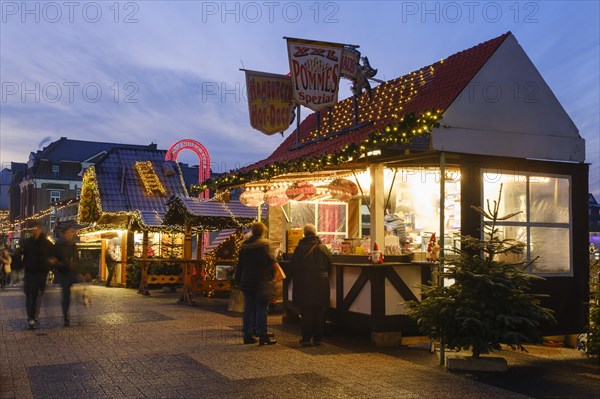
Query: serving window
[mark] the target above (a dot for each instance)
(330, 218)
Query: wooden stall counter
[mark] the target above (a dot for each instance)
(372, 297)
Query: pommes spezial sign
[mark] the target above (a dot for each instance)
(315, 68)
(270, 101)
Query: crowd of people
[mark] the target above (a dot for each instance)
(32, 263)
(310, 269)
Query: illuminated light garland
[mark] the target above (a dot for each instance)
(211, 259)
(400, 133)
(150, 180)
(7, 227)
(89, 204)
(178, 214)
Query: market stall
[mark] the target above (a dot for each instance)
(401, 167)
(197, 215)
(123, 202)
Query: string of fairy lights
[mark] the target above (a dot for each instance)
(150, 180)
(7, 227)
(386, 102)
(401, 132)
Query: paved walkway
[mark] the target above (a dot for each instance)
(127, 345)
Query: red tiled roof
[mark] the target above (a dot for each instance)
(432, 87)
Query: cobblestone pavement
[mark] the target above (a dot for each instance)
(128, 345)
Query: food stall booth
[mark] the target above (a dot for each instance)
(402, 167)
(123, 203)
(196, 216)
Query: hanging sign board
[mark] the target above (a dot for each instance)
(342, 189)
(252, 198)
(270, 101)
(350, 63)
(315, 68)
(276, 197)
(301, 191)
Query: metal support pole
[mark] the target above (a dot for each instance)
(442, 232)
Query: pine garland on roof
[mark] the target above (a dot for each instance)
(403, 132)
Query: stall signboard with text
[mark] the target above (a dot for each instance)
(315, 68)
(270, 101)
(350, 63)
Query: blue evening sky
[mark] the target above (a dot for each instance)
(161, 71)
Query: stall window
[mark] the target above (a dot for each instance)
(330, 218)
(412, 213)
(544, 221)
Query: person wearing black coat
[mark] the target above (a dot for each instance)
(66, 256)
(253, 274)
(38, 256)
(311, 268)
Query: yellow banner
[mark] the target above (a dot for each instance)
(270, 101)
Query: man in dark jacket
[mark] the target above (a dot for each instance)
(254, 274)
(66, 256)
(38, 256)
(311, 268)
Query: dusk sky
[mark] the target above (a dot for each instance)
(160, 71)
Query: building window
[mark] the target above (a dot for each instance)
(543, 222)
(55, 170)
(52, 222)
(78, 192)
(54, 196)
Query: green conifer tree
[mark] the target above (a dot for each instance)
(488, 302)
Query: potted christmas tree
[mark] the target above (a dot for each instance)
(486, 301)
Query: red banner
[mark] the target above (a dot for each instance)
(315, 68)
(270, 101)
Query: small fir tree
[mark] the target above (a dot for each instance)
(489, 302)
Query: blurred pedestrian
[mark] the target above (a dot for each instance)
(111, 259)
(38, 253)
(66, 258)
(310, 271)
(16, 276)
(254, 275)
(5, 269)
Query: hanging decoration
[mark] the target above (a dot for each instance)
(301, 191)
(252, 198)
(342, 189)
(276, 197)
(270, 101)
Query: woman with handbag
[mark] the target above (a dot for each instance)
(254, 275)
(311, 268)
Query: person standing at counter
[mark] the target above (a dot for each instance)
(254, 274)
(311, 268)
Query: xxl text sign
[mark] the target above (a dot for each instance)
(315, 68)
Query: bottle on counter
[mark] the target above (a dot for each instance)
(366, 244)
